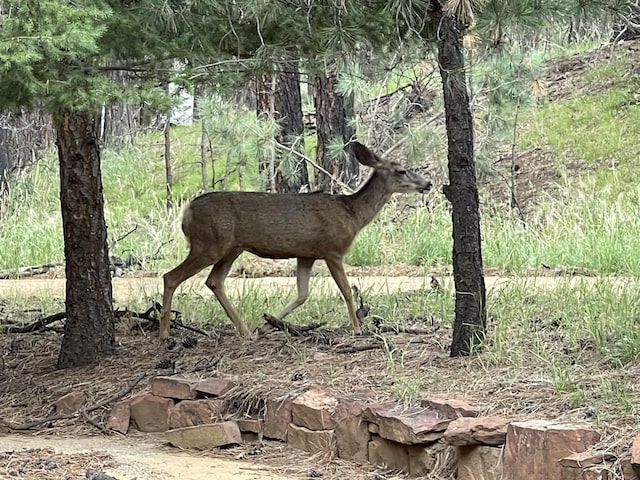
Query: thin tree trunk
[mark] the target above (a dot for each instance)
(203, 156)
(264, 105)
(470, 314)
(333, 113)
(89, 330)
(291, 172)
(167, 163)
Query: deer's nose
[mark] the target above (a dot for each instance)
(427, 186)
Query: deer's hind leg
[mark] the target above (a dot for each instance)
(172, 280)
(215, 281)
(303, 274)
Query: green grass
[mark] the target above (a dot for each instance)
(590, 224)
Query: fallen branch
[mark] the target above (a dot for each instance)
(358, 348)
(23, 272)
(52, 418)
(403, 329)
(178, 323)
(35, 423)
(200, 367)
(295, 330)
(91, 421)
(40, 324)
(118, 395)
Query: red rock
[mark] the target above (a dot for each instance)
(201, 437)
(389, 454)
(352, 432)
(277, 418)
(173, 387)
(450, 408)
(591, 473)
(407, 425)
(479, 463)
(627, 470)
(214, 386)
(252, 425)
(119, 417)
(70, 403)
(188, 413)
(313, 441)
(477, 431)
(587, 459)
(424, 458)
(635, 455)
(150, 413)
(533, 448)
(314, 410)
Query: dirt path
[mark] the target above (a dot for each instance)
(126, 288)
(143, 458)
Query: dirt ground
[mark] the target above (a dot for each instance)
(143, 458)
(404, 367)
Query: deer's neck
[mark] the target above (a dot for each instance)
(369, 200)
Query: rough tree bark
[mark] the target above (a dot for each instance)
(278, 95)
(24, 137)
(333, 113)
(89, 331)
(470, 313)
(291, 171)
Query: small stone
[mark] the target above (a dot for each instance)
(70, 403)
(150, 413)
(277, 418)
(635, 455)
(201, 437)
(389, 454)
(314, 410)
(587, 459)
(490, 431)
(214, 386)
(188, 413)
(628, 473)
(119, 418)
(312, 441)
(173, 387)
(479, 463)
(533, 448)
(352, 431)
(450, 408)
(407, 425)
(252, 425)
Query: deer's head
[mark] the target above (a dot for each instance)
(398, 178)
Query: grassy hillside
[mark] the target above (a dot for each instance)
(577, 151)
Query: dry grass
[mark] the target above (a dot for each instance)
(404, 367)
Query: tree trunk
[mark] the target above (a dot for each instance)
(24, 137)
(265, 105)
(470, 315)
(333, 113)
(168, 172)
(291, 173)
(89, 331)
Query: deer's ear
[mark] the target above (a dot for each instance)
(364, 155)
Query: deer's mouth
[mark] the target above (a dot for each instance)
(426, 187)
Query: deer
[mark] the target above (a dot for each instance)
(219, 226)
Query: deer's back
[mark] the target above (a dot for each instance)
(311, 225)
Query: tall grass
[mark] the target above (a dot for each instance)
(590, 224)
